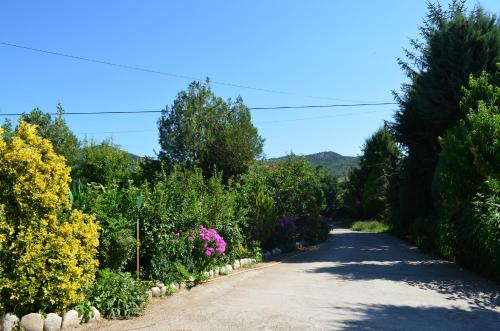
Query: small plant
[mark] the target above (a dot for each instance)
(183, 273)
(118, 295)
(170, 290)
(85, 310)
(256, 251)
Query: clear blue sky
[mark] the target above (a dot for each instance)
(339, 51)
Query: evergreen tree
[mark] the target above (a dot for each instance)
(368, 185)
(454, 45)
(57, 131)
(203, 130)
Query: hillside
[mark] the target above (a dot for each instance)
(338, 165)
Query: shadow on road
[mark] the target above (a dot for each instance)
(368, 256)
(391, 317)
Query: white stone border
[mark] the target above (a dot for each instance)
(52, 322)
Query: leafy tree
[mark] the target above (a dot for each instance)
(368, 186)
(105, 164)
(200, 129)
(353, 196)
(331, 190)
(264, 217)
(47, 250)
(57, 131)
(454, 45)
(7, 130)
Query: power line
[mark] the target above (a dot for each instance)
(112, 112)
(317, 117)
(158, 72)
(326, 106)
(256, 123)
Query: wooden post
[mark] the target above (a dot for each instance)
(138, 244)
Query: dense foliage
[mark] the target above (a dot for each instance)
(442, 191)
(454, 45)
(297, 194)
(367, 188)
(118, 295)
(180, 202)
(64, 141)
(468, 179)
(47, 249)
(105, 163)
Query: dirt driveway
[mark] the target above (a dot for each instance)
(353, 281)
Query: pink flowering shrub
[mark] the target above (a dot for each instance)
(206, 246)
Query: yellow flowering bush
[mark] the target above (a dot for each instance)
(47, 250)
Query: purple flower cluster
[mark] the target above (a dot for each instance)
(287, 223)
(324, 219)
(212, 241)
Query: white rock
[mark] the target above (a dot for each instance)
(211, 274)
(216, 271)
(206, 274)
(229, 268)
(96, 315)
(182, 286)
(70, 319)
(175, 286)
(253, 260)
(9, 322)
(52, 322)
(150, 294)
(236, 265)
(156, 291)
(266, 255)
(160, 284)
(163, 291)
(31, 322)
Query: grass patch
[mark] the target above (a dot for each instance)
(369, 226)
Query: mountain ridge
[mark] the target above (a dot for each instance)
(337, 164)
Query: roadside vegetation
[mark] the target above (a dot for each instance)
(69, 210)
(432, 175)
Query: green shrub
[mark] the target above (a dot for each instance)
(478, 236)
(118, 295)
(467, 177)
(179, 202)
(297, 192)
(116, 213)
(106, 164)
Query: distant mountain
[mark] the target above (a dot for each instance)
(338, 165)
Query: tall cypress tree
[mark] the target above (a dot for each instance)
(455, 43)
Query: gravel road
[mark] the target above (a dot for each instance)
(354, 281)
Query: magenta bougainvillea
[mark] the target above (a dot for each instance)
(212, 242)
